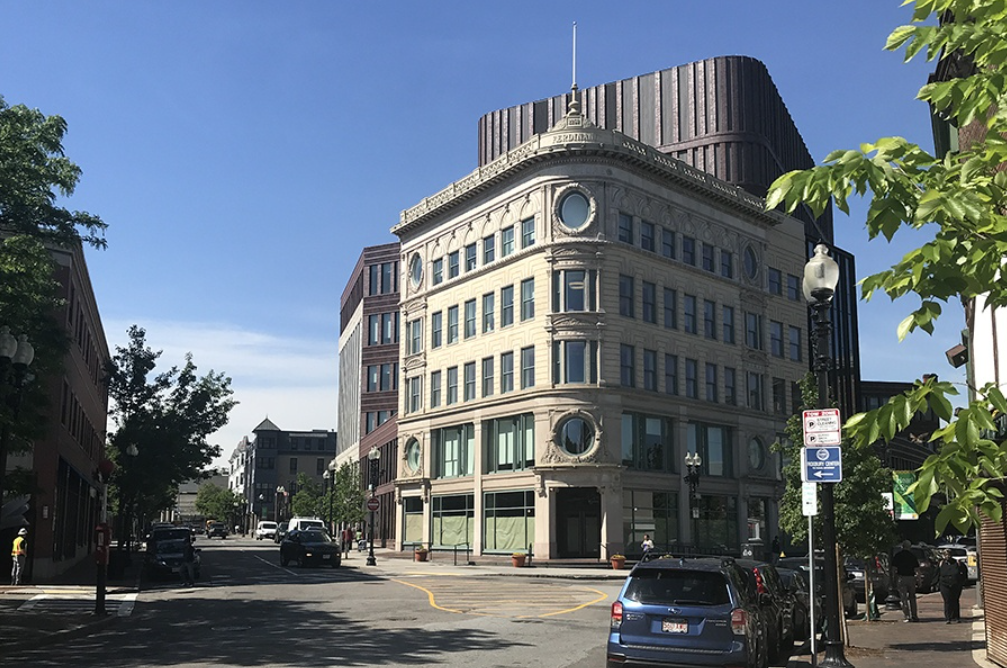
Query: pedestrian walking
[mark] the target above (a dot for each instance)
(906, 565)
(777, 550)
(188, 566)
(347, 540)
(647, 545)
(952, 575)
(18, 553)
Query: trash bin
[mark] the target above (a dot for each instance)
(117, 563)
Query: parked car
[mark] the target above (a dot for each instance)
(170, 532)
(265, 529)
(927, 575)
(164, 556)
(880, 576)
(310, 546)
(965, 555)
(797, 582)
(685, 612)
(218, 529)
(850, 606)
(780, 608)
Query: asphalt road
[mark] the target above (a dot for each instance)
(247, 610)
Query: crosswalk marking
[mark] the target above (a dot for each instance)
(70, 603)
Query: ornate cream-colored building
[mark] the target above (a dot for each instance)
(578, 314)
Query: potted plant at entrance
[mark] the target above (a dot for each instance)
(518, 559)
(420, 553)
(618, 561)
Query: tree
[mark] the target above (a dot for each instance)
(349, 496)
(307, 502)
(162, 422)
(216, 502)
(961, 199)
(863, 523)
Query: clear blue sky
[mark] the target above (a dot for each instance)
(242, 153)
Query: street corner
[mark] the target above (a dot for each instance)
(26, 630)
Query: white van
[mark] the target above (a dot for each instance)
(302, 523)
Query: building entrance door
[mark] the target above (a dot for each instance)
(578, 523)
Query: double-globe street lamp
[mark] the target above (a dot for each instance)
(821, 276)
(693, 462)
(281, 492)
(16, 354)
(373, 461)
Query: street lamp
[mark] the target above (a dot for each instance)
(693, 462)
(821, 275)
(16, 354)
(332, 493)
(280, 493)
(373, 460)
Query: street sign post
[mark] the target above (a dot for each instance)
(824, 464)
(822, 427)
(809, 498)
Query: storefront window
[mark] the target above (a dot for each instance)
(651, 513)
(452, 521)
(509, 523)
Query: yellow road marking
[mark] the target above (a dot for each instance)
(504, 604)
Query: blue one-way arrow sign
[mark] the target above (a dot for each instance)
(822, 464)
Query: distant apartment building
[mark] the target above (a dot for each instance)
(369, 375)
(578, 314)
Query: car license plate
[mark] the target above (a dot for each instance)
(326, 556)
(176, 569)
(672, 625)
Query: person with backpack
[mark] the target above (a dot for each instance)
(952, 575)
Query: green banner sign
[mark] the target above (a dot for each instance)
(905, 504)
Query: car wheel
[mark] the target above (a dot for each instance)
(336, 562)
(300, 562)
(284, 561)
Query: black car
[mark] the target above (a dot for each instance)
(217, 529)
(780, 607)
(849, 595)
(879, 571)
(797, 583)
(675, 611)
(164, 556)
(311, 546)
(167, 533)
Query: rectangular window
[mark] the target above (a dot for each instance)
(527, 367)
(453, 264)
(438, 270)
(779, 396)
(527, 232)
(575, 362)
(627, 368)
(727, 264)
(489, 249)
(775, 281)
(573, 290)
(453, 456)
(691, 378)
(389, 277)
(452, 385)
(527, 299)
(689, 323)
(510, 444)
(470, 318)
(625, 228)
(670, 309)
(648, 442)
(507, 306)
(689, 250)
(709, 320)
(435, 389)
(668, 243)
(488, 381)
(506, 241)
(708, 261)
(711, 382)
(489, 311)
(506, 372)
(470, 257)
(753, 330)
(650, 370)
(626, 296)
(373, 330)
(671, 374)
(755, 392)
(647, 236)
(415, 329)
(793, 288)
(452, 325)
(795, 343)
(415, 394)
(436, 328)
(776, 338)
(730, 386)
(714, 445)
(373, 377)
(389, 328)
(293, 465)
(727, 316)
(470, 381)
(649, 294)
(373, 279)
(389, 372)
(796, 400)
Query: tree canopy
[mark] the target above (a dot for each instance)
(960, 200)
(217, 503)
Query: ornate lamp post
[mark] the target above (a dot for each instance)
(332, 493)
(281, 492)
(693, 463)
(373, 461)
(16, 354)
(821, 275)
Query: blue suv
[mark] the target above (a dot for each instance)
(688, 612)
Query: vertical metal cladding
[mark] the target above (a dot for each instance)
(993, 540)
(722, 115)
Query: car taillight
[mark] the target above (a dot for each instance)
(759, 584)
(616, 614)
(739, 620)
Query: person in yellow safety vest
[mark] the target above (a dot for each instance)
(17, 553)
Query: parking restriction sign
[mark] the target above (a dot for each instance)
(822, 427)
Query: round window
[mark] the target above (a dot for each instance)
(576, 436)
(756, 455)
(575, 210)
(413, 455)
(751, 263)
(415, 269)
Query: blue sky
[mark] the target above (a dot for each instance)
(242, 153)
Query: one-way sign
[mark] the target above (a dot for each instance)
(823, 464)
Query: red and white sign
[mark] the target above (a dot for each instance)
(373, 504)
(822, 427)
